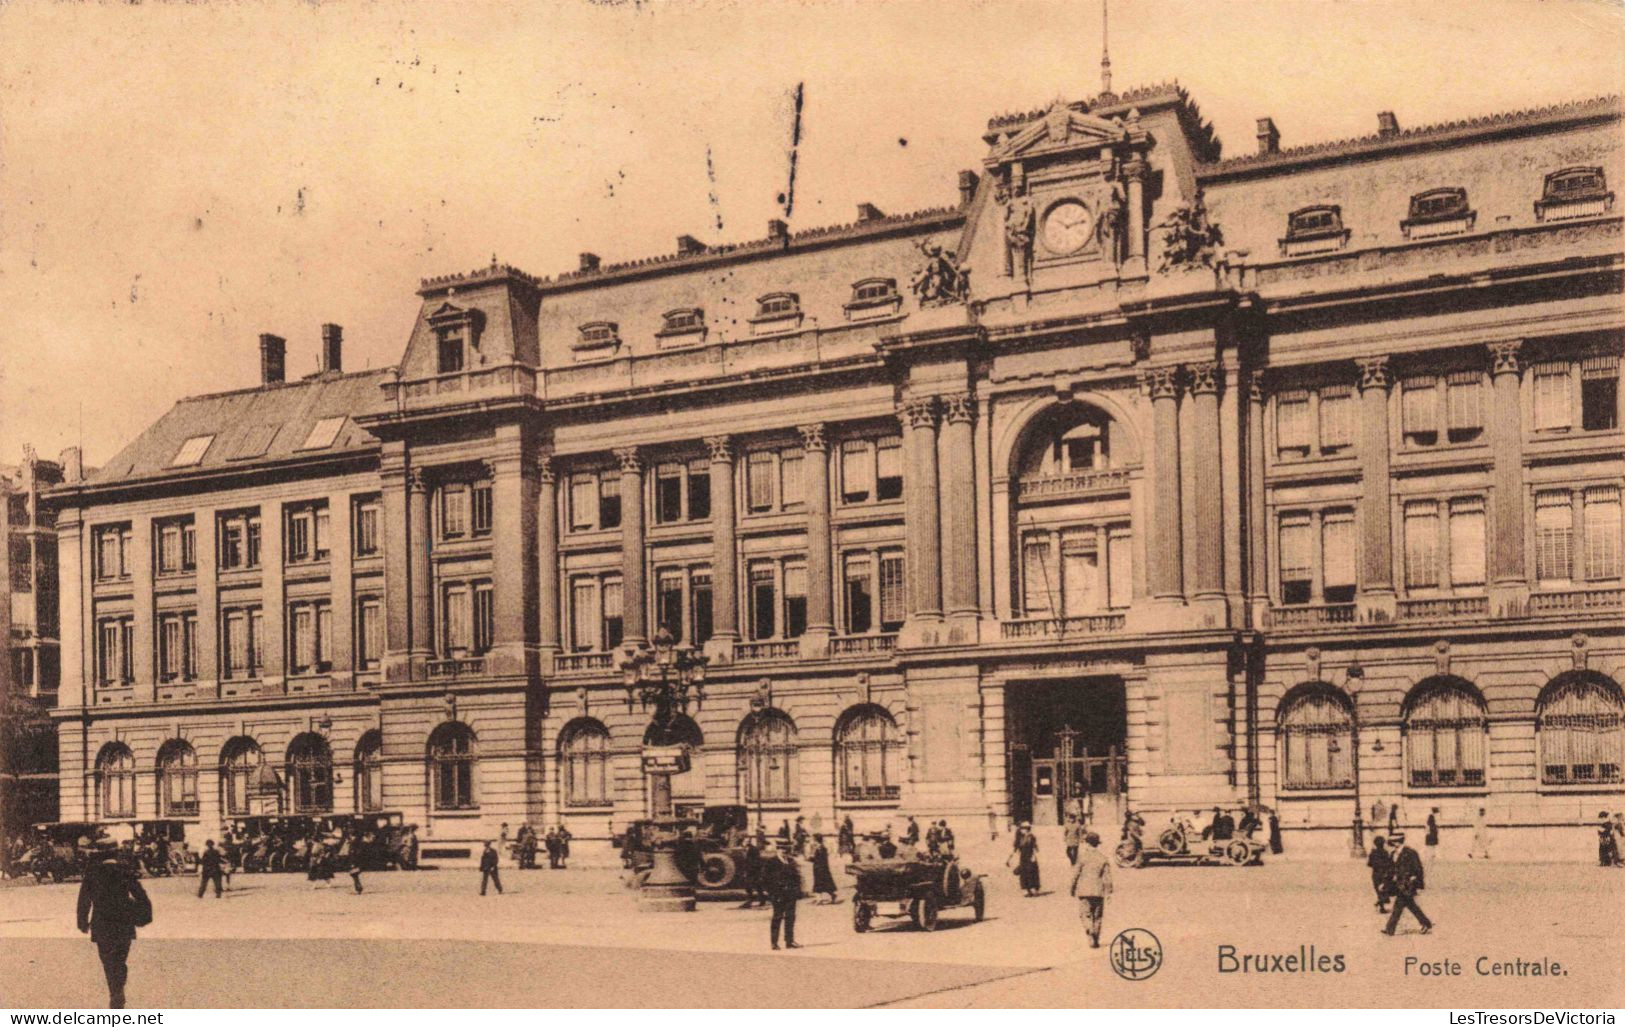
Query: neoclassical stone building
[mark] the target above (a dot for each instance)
(1140, 476)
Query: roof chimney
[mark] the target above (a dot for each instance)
(1269, 137)
(1387, 125)
(73, 464)
(967, 187)
(273, 358)
(687, 245)
(868, 212)
(778, 231)
(332, 348)
(589, 262)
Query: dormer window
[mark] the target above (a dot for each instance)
(873, 297)
(1438, 212)
(683, 325)
(597, 339)
(777, 312)
(451, 352)
(456, 333)
(1317, 229)
(1574, 193)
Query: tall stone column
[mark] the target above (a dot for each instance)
(514, 489)
(922, 516)
(1509, 589)
(820, 573)
(1257, 531)
(394, 512)
(633, 599)
(959, 518)
(1209, 497)
(1376, 598)
(547, 561)
(724, 552)
(1165, 560)
(1134, 172)
(419, 572)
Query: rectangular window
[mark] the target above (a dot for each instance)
(763, 601)
(1464, 406)
(790, 464)
(369, 632)
(455, 634)
(1599, 393)
(609, 501)
(239, 540)
(480, 511)
(699, 490)
(1552, 399)
(189, 646)
(1297, 574)
(859, 595)
(1467, 541)
(107, 563)
(669, 603)
(699, 596)
(1292, 435)
(302, 627)
(613, 626)
(759, 474)
(453, 511)
(795, 600)
(584, 625)
(308, 531)
(451, 353)
(583, 502)
(171, 558)
(1601, 518)
(484, 616)
(1337, 555)
(889, 468)
(1039, 576)
(171, 647)
(1119, 568)
(242, 648)
(892, 603)
(1080, 572)
(668, 493)
(1554, 537)
(367, 514)
(1336, 419)
(857, 472)
(1422, 544)
(1420, 410)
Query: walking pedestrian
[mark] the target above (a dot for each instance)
(846, 839)
(911, 835)
(112, 904)
(1091, 884)
(1025, 851)
(1619, 839)
(209, 868)
(823, 879)
(755, 894)
(784, 888)
(564, 847)
(1481, 836)
(1607, 849)
(1072, 835)
(412, 847)
(1382, 872)
(348, 858)
(1407, 881)
(1275, 834)
(488, 869)
(1430, 840)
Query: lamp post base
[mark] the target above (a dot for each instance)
(665, 890)
(1357, 843)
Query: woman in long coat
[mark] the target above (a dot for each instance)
(1026, 850)
(823, 879)
(846, 839)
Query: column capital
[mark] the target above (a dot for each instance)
(919, 413)
(545, 471)
(630, 460)
(1161, 382)
(1204, 378)
(1255, 386)
(417, 480)
(812, 438)
(959, 408)
(1504, 357)
(1135, 169)
(721, 448)
(1374, 373)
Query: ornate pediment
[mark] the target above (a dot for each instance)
(1061, 130)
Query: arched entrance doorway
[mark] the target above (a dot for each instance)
(1066, 750)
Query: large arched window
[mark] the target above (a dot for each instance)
(368, 772)
(177, 779)
(1581, 723)
(767, 757)
(1315, 739)
(584, 761)
(683, 731)
(451, 766)
(1444, 735)
(310, 774)
(869, 755)
(115, 775)
(240, 763)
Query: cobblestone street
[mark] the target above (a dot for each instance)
(573, 938)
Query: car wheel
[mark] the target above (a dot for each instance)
(861, 915)
(979, 900)
(1238, 853)
(1170, 842)
(926, 913)
(718, 870)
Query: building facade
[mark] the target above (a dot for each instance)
(1139, 477)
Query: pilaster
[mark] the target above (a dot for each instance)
(341, 589)
(1165, 559)
(634, 598)
(420, 572)
(1509, 581)
(547, 562)
(146, 624)
(958, 514)
(73, 688)
(1206, 474)
(724, 552)
(514, 487)
(820, 572)
(1376, 600)
(395, 531)
(922, 515)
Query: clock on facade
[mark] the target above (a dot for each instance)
(1068, 227)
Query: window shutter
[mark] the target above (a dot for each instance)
(1602, 530)
(1292, 420)
(790, 476)
(1553, 404)
(1038, 575)
(1295, 558)
(857, 471)
(1421, 400)
(1464, 399)
(1467, 541)
(1120, 568)
(1421, 544)
(759, 477)
(1337, 549)
(891, 589)
(1336, 418)
(1554, 536)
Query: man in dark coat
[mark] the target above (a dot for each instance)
(210, 868)
(112, 904)
(911, 834)
(1407, 878)
(754, 892)
(823, 878)
(488, 869)
(784, 888)
(1382, 872)
(1606, 846)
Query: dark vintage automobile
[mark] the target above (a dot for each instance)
(1181, 842)
(272, 844)
(382, 837)
(916, 888)
(60, 850)
(157, 848)
(717, 860)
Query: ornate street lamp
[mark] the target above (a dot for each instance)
(667, 677)
(1353, 678)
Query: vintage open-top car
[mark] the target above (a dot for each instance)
(1182, 842)
(719, 833)
(157, 848)
(916, 888)
(61, 849)
(381, 837)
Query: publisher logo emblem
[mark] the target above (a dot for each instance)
(1136, 954)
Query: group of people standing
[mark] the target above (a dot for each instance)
(525, 845)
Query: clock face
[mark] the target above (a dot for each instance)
(1068, 227)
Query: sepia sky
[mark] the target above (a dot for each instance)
(177, 178)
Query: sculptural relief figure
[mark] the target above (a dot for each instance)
(1112, 226)
(941, 279)
(1019, 223)
(1189, 239)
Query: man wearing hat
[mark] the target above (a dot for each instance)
(1382, 871)
(112, 904)
(1607, 853)
(210, 868)
(488, 869)
(1091, 883)
(784, 890)
(1407, 881)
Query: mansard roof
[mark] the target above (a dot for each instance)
(252, 427)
